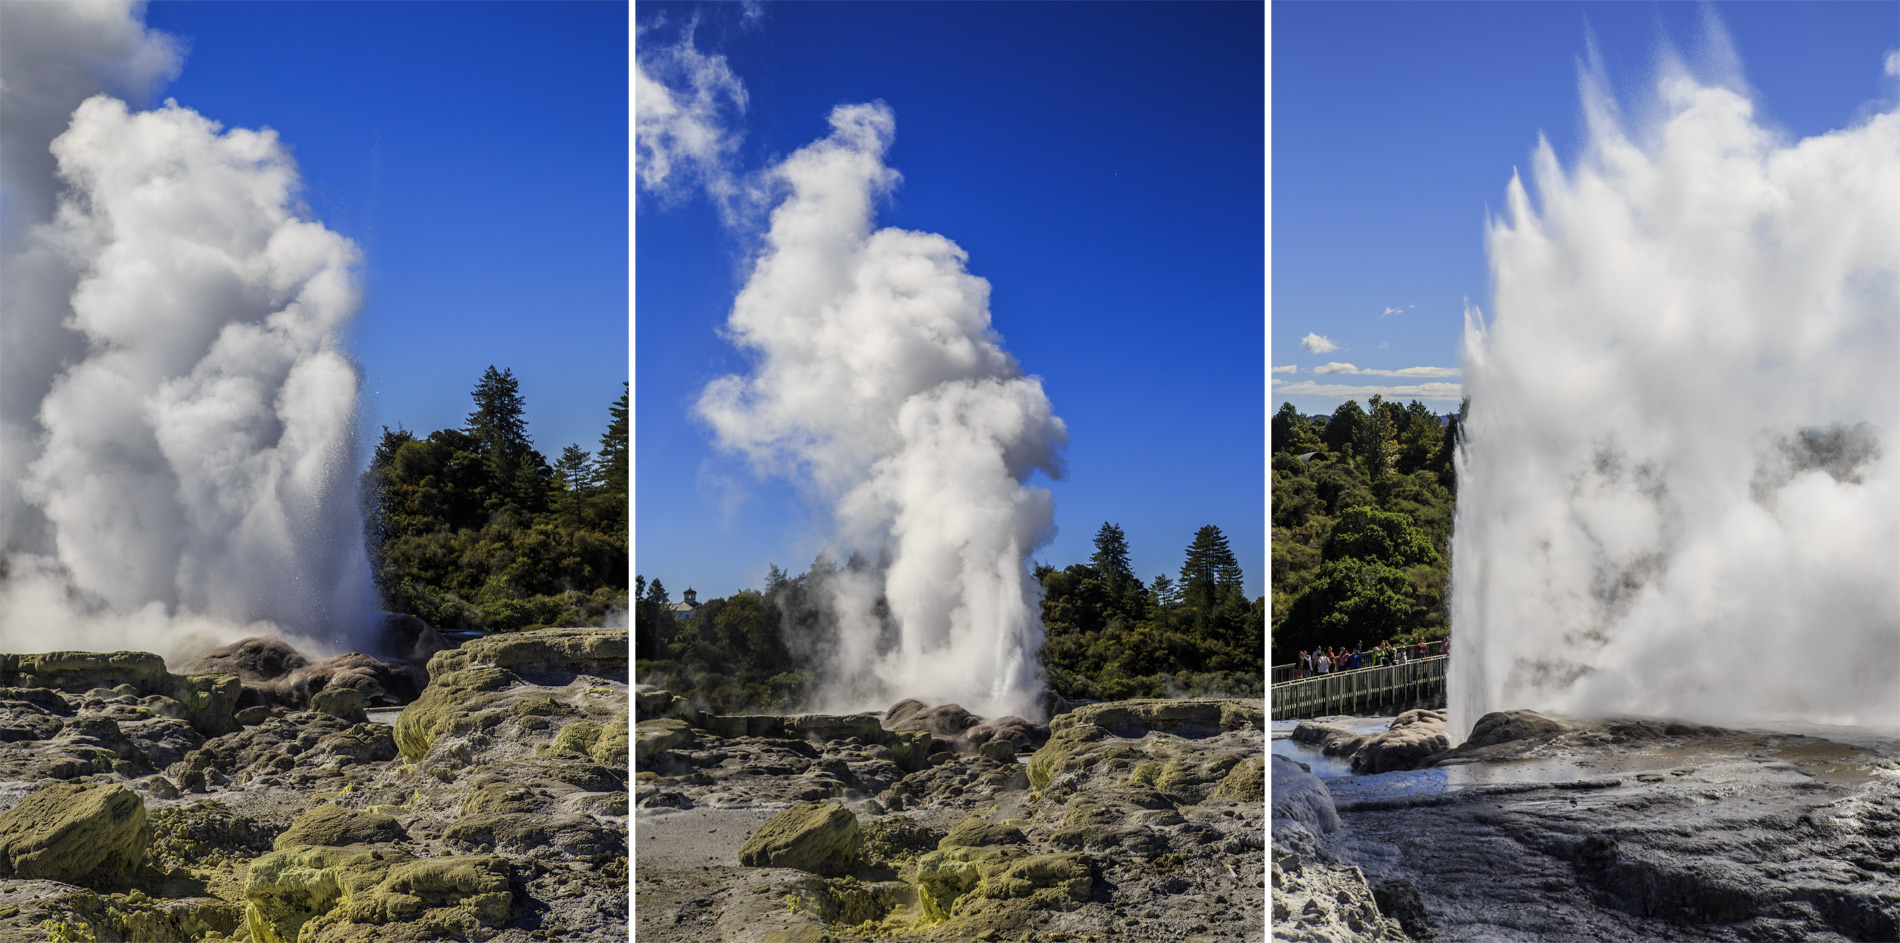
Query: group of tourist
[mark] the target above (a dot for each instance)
(1323, 661)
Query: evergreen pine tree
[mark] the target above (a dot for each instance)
(573, 471)
(1209, 568)
(610, 465)
(1111, 560)
(611, 462)
(1162, 590)
(516, 473)
(498, 421)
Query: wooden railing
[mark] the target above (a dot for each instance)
(1365, 691)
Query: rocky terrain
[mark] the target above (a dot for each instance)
(450, 793)
(1130, 820)
(1540, 828)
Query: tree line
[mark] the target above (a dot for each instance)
(1363, 505)
(473, 528)
(1108, 635)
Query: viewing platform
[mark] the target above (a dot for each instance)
(1366, 691)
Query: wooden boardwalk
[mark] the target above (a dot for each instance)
(1365, 691)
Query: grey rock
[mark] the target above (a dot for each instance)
(346, 703)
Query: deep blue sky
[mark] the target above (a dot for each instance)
(1103, 166)
(1396, 128)
(477, 154)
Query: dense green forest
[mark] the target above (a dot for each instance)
(1109, 635)
(1362, 517)
(472, 528)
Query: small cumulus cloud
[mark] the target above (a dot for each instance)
(1318, 344)
(1392, 311)
(1385, 345)
(1336, 368)
(1289, 368)
(1442, 392)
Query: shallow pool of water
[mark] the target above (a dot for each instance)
(1323, 766)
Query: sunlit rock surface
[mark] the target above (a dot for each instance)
(506, 820)
(1123, 821)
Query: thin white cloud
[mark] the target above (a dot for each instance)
(1893, 63)
(1289, 368)
(1443, 392)
(1347, 368)
(1415, 372)
(1385, 345)
(1318, 344)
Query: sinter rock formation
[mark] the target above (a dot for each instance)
(272, 799)
(1130, 820)
(1549, 829)
(1415, 738)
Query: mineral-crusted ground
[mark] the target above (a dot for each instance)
(1131, 820)
(1545, 829)
(276, 800)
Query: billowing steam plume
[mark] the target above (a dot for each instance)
(1680, 492)
(880, 386)
(177, 415)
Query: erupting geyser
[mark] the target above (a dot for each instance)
(177, 413)
(880, 385)
(1680, 487)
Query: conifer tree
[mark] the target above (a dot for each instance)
(610, 466)
(611, 462)
(1210, 568)
(498, 421)
(516, 472)
(1111, 560)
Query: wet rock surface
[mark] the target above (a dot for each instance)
(1134, 820)
(304, 815)
(1415, 738)
(1542, 828)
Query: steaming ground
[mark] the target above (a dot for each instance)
(880, 387)
(1679, 493)
(177, 412)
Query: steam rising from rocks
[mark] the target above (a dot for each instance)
(1680, 490)
(177, 414)
(881, 387)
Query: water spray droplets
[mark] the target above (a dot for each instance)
(1678, 493)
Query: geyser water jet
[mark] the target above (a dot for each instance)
(880, 386)
(1679, 492)
(177, 419)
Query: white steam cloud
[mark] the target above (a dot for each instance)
(177, 416)
(684, 106)
(1680, 490)
(880, 385)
